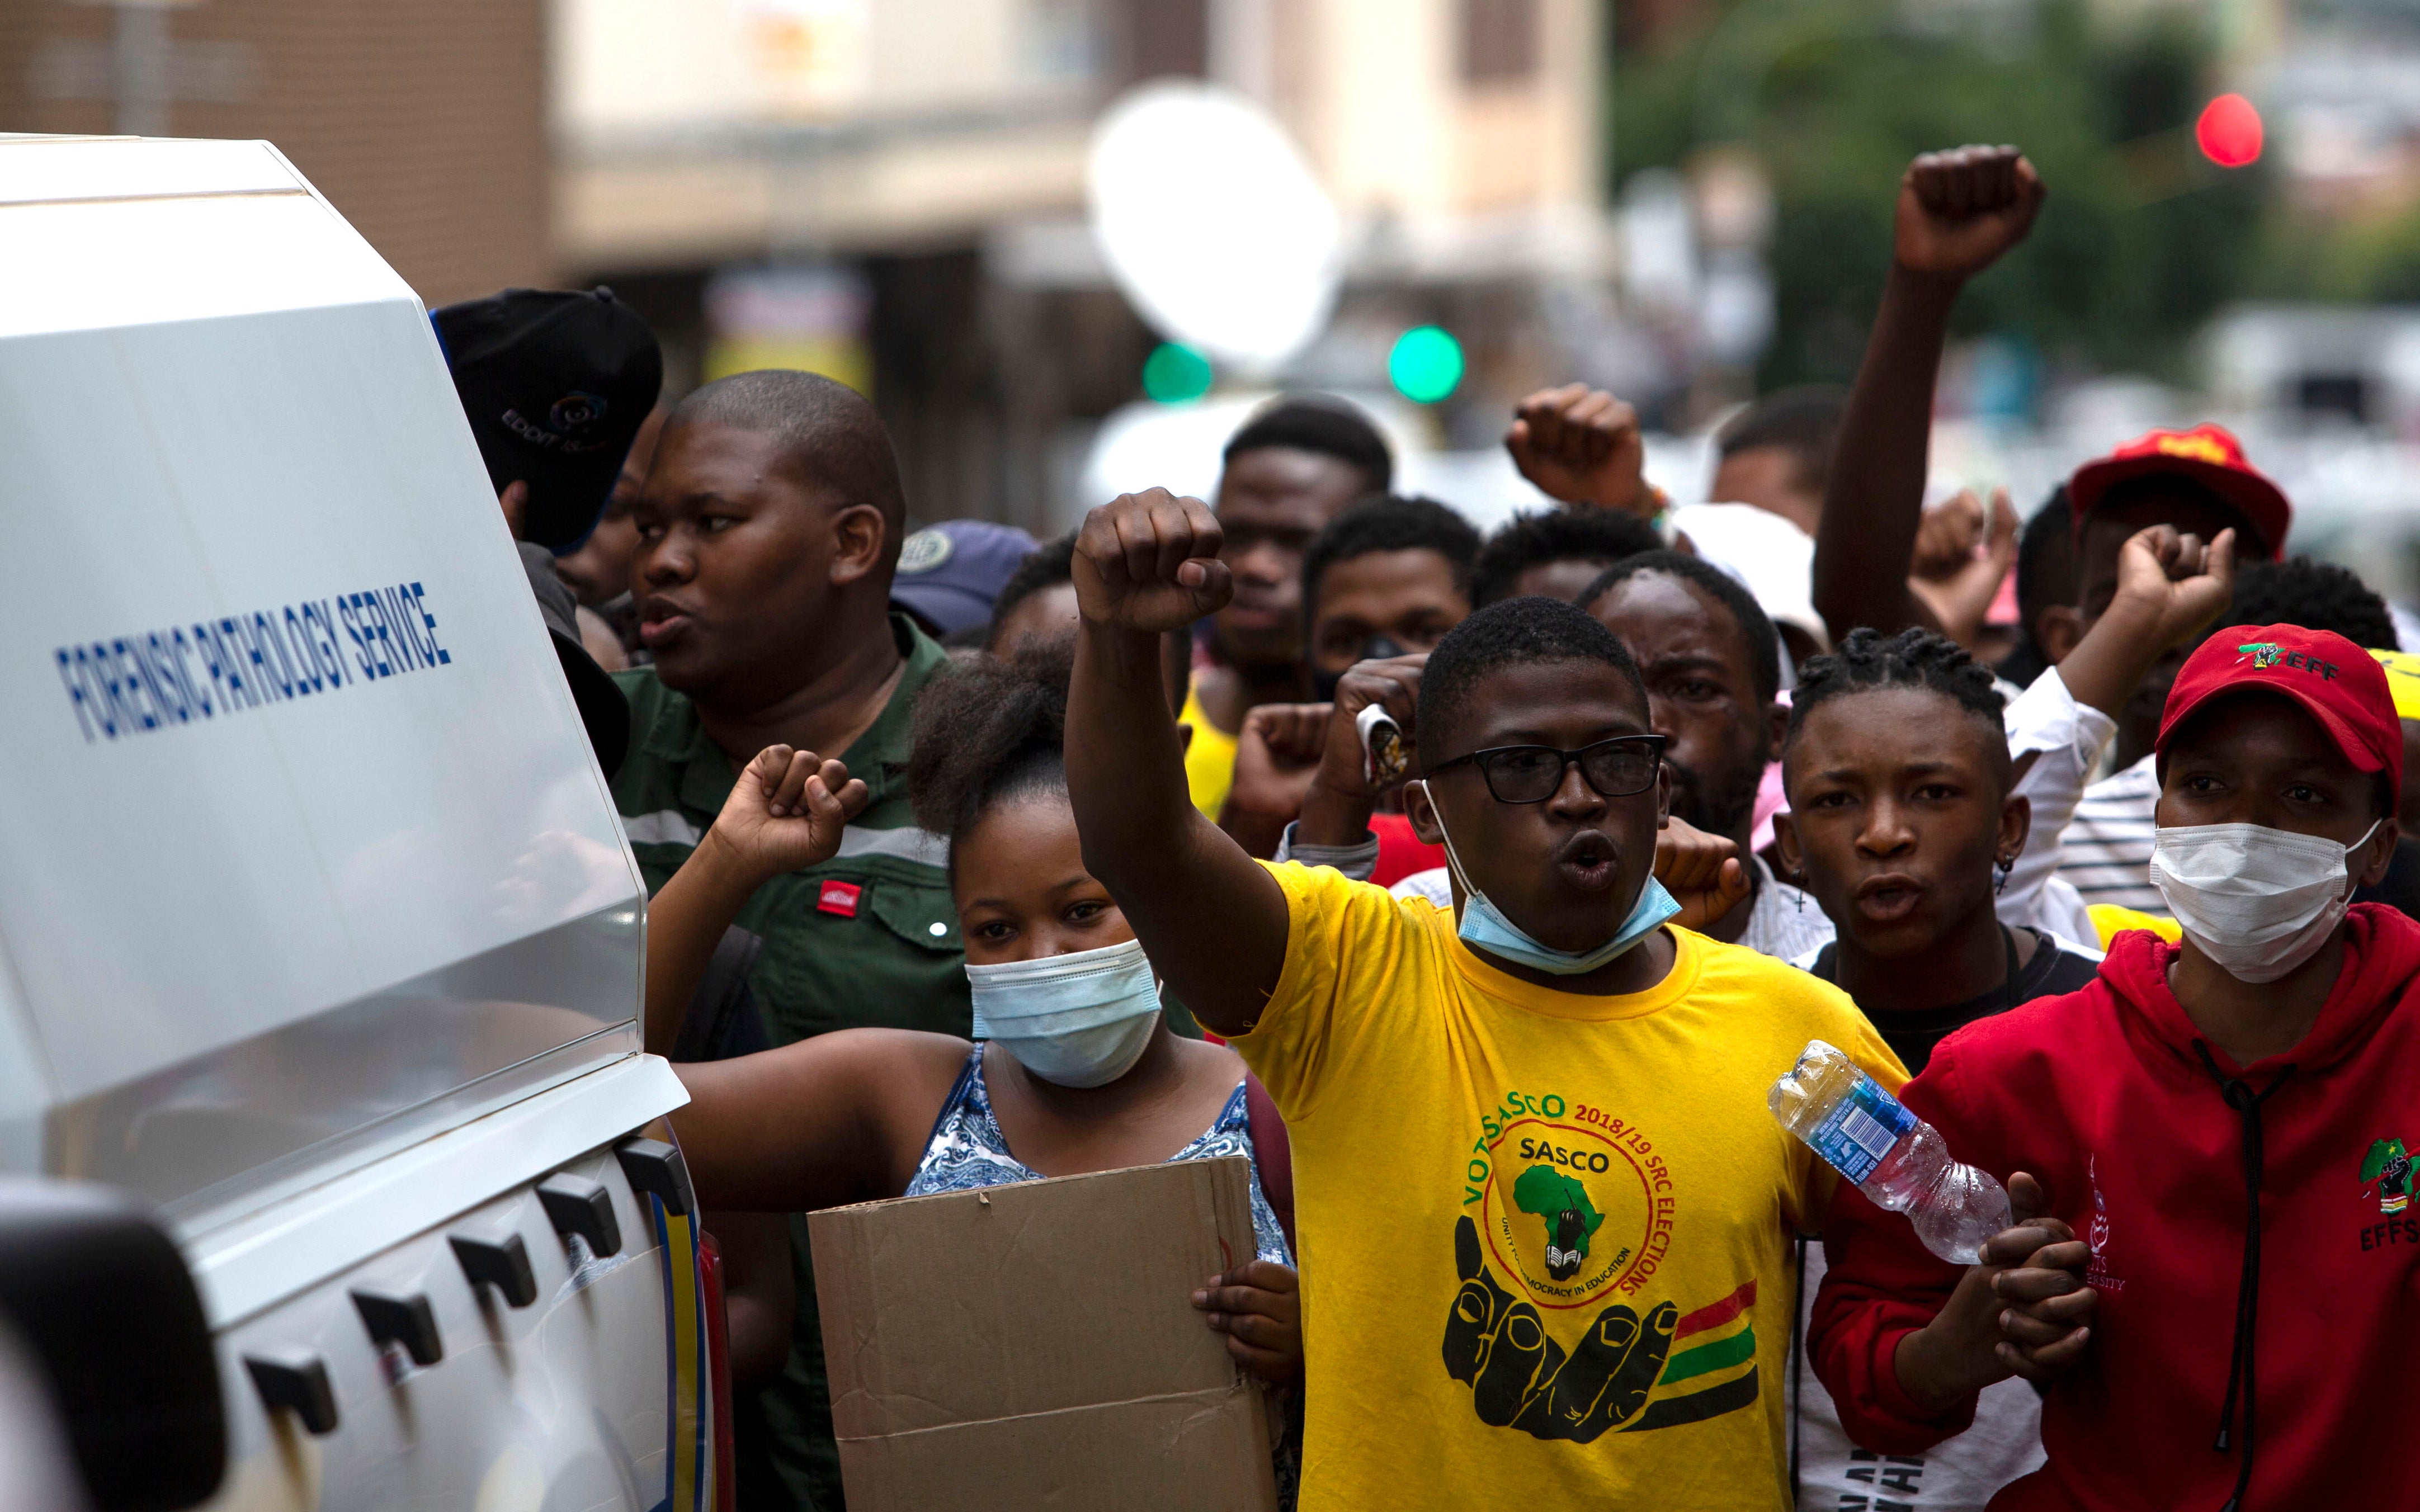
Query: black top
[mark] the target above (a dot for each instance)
(2051, 973)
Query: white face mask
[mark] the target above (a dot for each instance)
(2260, 901)
(1077, 1020)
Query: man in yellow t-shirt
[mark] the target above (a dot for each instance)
(1544, 1211)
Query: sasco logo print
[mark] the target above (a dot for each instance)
(1573, 1202)
(1570, 1207)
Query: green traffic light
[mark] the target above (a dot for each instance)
(1173, 374)
(1426, 364)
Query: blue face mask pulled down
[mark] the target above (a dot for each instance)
(1484, 927)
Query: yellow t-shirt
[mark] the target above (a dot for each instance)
(1546, 1236)
(1209, 758)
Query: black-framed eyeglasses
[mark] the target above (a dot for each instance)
(1616, 768)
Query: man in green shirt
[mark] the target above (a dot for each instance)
(768, 530)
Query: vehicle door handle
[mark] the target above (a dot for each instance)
(502, 1263)
(653, 1165)
(399, 1317)
(577, 1205)
(296, 1379)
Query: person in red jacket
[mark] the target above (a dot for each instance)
(2224, 1123)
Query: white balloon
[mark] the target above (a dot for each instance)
(1212, 224)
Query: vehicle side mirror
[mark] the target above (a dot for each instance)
(100, 1300)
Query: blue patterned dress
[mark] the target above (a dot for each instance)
(967, 1151)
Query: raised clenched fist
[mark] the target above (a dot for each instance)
(1276, 755)
(1703, 873)
(1959, 210)
(1581, 446)
(2177, 578)
(1149, 563)
(787, 811)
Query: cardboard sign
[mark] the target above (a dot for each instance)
(1037, 1346)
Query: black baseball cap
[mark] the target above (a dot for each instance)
(556, 384)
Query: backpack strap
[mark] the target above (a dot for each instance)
(1273, 1155)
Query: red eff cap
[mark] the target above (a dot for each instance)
(2338, 682)
(2210, 456)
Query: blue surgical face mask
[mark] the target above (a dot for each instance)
(1484, 927)
(1076, 1020)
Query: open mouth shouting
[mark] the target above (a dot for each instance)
(1888, 898)
(1586, 861)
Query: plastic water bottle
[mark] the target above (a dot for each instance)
(1894, 1157)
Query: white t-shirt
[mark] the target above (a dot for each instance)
(2064, 740)
(1955, 1475)
(2107, 853)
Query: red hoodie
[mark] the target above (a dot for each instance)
(2102, 1095)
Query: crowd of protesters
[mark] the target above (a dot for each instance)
(1476, 889)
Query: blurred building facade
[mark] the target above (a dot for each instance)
(892, 191)
(423, 123)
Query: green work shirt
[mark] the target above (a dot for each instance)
(868, 938)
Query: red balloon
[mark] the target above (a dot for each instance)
(2229, 132)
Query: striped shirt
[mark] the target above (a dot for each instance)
(2107, 852)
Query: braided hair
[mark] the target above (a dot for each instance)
(1868, 662)
(989, 730)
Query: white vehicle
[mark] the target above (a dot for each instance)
(318, 935)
